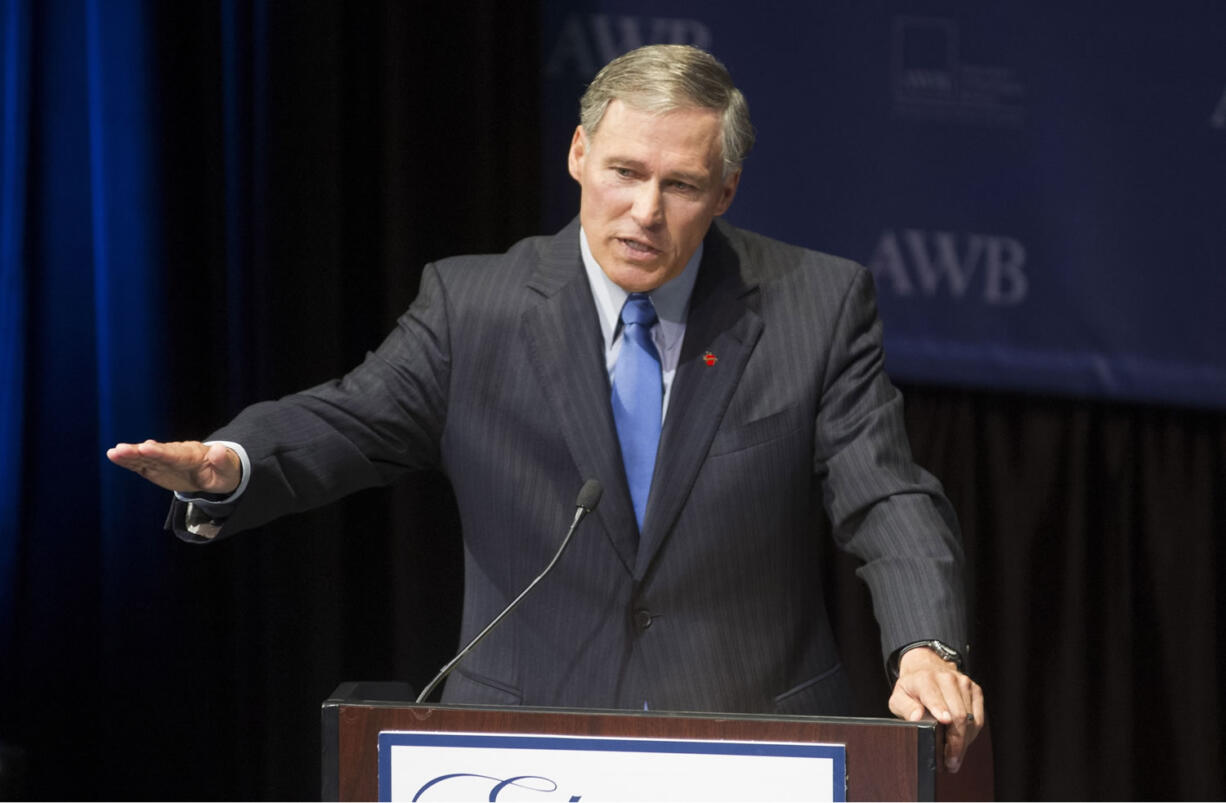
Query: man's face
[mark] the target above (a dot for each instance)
(651, 184)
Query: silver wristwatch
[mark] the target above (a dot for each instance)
(946, 652)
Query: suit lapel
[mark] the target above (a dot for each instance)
(722, 323)
(567, 352)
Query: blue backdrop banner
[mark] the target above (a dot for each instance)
(1040, 192)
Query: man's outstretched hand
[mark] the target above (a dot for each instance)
(187, 466)
(930, 686)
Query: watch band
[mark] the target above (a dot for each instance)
(946, 652)
(942, 649)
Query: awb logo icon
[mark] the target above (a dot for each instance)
(588, 41)
(939, 263)
(933, 82)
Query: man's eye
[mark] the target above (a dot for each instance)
(624, 172)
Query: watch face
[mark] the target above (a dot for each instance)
(946, 652)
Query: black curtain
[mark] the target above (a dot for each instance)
(314, 161)
(1092, 536)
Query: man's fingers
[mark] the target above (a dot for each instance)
(129, 456)
(954, 689)
(936, 692)
(958, 738)
(122, 452)
(187, 466)
(904, 706)
(955, 745)
(951, 698)
(965, 728)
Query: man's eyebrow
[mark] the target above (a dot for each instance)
(697, 179)
(624, 161)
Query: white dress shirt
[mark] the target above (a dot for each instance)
(672, 303)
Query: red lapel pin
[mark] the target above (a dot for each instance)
(710, 359)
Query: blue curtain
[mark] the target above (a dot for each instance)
(82, 347)
(13, 107)
(82, 303)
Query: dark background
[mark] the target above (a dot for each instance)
(295, 167)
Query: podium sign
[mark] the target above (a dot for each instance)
(430, 766)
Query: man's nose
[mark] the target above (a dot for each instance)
(647, 209)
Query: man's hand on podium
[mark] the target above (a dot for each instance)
(186, 466)
(931, 686)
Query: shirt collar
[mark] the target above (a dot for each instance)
(671, 299)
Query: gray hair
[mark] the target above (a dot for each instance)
(662, 78)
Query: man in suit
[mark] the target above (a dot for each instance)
(726, 389)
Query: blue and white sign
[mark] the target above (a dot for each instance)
(506, 767)
(1038, 189)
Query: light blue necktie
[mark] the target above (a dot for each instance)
(638, 398)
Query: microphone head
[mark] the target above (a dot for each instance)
(589, 495)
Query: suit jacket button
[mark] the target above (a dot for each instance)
(642, 618)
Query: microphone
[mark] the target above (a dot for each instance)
(585, 503)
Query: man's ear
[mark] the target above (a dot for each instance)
(577, 153)
(727, 192)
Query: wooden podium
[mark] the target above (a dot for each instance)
(885, 759)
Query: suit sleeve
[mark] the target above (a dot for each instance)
(381, 419)
(884, 508)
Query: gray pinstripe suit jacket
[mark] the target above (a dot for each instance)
(496, 374)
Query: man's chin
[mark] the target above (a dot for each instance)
(638, 278)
